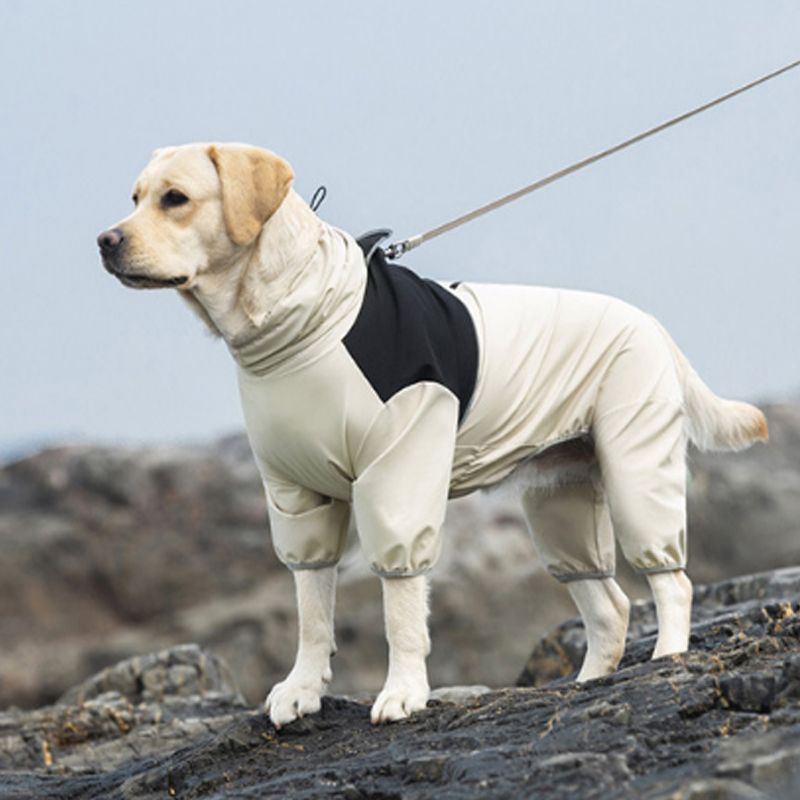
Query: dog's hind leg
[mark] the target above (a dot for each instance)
(672, 592)
(301, 692)
(405, 607)
(640, 441)
(641, 451)
(572, 530)
(604, 609)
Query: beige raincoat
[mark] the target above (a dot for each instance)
(551, 365)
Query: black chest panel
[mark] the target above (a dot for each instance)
(411, 330)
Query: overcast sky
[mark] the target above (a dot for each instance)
(411, 113)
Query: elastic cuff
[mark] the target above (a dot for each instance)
(583, 576)
(311, 539)
(311, 565)
(412, 573)
(657, 570)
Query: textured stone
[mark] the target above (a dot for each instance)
(767, 598)
(722, 721)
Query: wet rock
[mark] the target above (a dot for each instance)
(144, 706)
(722, 721)
(765, 600)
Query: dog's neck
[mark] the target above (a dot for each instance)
(214, 302)
(236, 301)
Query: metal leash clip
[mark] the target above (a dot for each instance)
(397, 249)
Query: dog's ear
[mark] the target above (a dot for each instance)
(163, 151)
(254, 183)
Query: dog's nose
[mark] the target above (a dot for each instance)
(110, 240)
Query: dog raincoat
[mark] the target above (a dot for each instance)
(369, 390)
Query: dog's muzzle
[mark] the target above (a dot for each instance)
(112, 246)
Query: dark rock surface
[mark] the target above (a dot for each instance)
(145, 706)
(559, 653)
(720, 722)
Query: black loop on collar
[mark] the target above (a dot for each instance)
(318, 198)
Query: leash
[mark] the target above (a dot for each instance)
(398, 249)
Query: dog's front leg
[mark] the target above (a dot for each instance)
(405, 608)
(302, 691)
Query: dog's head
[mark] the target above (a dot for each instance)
(196, 206)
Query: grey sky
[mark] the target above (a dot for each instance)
(410, 112)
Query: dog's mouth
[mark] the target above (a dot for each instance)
(148, 282)
(135, 280)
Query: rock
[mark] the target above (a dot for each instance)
(143, 706)
(722, 721)
(762, 597)
(110, 552)
(460, 695)
(178, 672)
(744, 509)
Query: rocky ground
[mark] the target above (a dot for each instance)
(720, 722)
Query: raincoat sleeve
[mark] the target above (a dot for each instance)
(402, 480)
(309, 531)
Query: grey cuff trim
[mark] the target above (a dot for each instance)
(583, 576)
(311, 565)
(412, 573)
(657, 570)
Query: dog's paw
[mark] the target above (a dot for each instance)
(291, 700)
(399, 702)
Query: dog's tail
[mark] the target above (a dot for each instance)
(712, 422)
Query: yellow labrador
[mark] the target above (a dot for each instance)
(369, 391)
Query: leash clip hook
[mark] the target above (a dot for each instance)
(397, 249)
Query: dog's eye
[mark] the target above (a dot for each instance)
(135, 199)
(173, 198)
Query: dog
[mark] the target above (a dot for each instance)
(369, 391)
